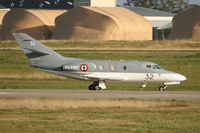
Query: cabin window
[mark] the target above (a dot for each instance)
(148, 66)
(101, 67)
(125, 68)
(113, 67)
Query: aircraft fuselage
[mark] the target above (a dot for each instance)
(98, 71)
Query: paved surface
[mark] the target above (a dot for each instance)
(105, 94)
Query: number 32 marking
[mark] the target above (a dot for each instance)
(149, 76)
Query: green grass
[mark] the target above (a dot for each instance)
(119, 45)
(51, 116)
(109, 120)
(15, 72)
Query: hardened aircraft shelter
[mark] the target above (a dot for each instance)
(2, 14)
(102, 23)
(186, 25)
(37, 23)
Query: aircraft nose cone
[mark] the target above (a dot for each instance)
(181, 77)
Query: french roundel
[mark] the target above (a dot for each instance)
(84, 67)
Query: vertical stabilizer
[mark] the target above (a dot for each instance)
(38, 54)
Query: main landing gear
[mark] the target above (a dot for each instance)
(97, 85)
(94, 86)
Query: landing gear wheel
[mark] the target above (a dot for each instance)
(91, 87)
(163, 88)
(95, 86)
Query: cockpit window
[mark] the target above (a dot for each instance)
(153, 67)
(157, 66)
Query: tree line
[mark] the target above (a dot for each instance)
(173, 6)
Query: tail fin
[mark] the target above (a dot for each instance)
(38, 54)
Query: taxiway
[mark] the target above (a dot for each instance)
(105, 94)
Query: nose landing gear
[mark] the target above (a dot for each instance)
(163, 88)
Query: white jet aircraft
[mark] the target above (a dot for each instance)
(97, 71)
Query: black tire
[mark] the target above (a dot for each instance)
(91, 87)
(161, 88)
(97, 88)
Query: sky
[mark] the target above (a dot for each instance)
(120, 2)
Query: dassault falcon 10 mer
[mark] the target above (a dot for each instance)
(97, 71)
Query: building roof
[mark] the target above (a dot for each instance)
(167, 26)
(149, 12)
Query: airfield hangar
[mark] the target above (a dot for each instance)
(161, 21)
(37, 23)
(186, 25)
(2, 14)
(88, 20)
(102, 23)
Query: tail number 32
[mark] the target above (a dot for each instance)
(149, 76)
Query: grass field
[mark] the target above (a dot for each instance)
(15, 72)
(46, 116)
(110, 116)
(113, 45)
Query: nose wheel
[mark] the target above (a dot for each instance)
(163, 88)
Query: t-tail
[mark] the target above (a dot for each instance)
(38, 54)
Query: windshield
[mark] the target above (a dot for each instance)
(158, 67)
